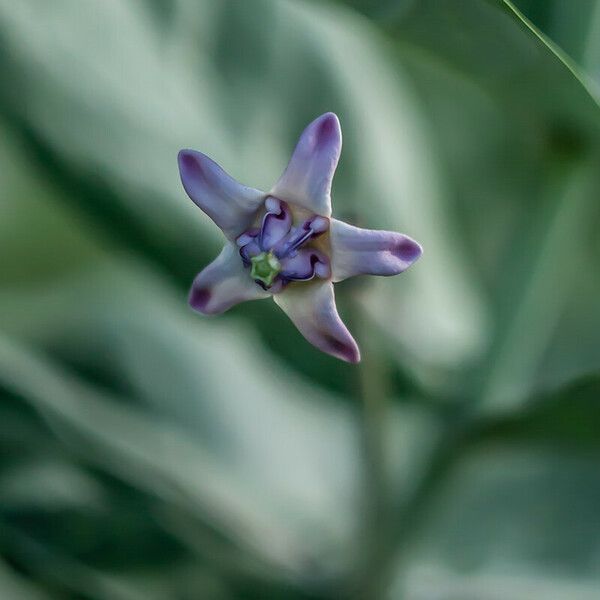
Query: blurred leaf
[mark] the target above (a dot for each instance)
(575, 27)
(520, 136)
(198, 427)
(49, 485)
(516, 511)
(569, 417)
(14, 586)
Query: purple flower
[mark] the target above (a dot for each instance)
(285, 244)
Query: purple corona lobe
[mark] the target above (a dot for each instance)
(305, 265)
(248, 245)
(276, 223)
(274, 245)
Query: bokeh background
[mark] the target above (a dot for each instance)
(148, 453)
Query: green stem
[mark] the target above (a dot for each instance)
(373, 394)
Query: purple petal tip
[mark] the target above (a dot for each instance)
(325, 133)
(329, 125)
(189, 165)
(408, 250)
(199, 299)
(342, 350)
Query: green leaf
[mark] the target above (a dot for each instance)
(520, 137)
(574, 27)
(515, 510)
(199, 438)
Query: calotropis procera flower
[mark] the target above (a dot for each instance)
(285, 244)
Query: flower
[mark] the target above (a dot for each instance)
(285, 244)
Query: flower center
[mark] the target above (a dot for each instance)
(279, 251)
(265, 267)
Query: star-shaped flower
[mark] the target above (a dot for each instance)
(285, 244)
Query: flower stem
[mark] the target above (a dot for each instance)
(373, 394)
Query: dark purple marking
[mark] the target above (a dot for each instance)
(190, 165)
(199, 298)
(407, 250)
(328, 127)
(348, 353)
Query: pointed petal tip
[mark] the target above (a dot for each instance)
(231, 205)
(329, 125)
(329, 116)
(408, 250)
(345, 349)
(349, 353)
(199, 299)
(327, 132)
(324, 134)
(308, 176)
(190, 167)
(184, 157)
(311, 307)
(183, 153)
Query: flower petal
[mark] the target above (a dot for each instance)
(308, 176)
(231, 205)
(304, 265)
(223, 283)
(276, 223)
(356, 251)
(311, 307)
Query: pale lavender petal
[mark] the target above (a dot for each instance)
(231, 205)
(308, 176)
(276, 223)
(305, 264)
(356, 251)
(311, 307)
(223, 283)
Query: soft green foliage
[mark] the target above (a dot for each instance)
(149, 453)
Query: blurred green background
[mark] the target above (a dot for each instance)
(148, 453)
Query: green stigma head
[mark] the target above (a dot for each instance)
(265, 267)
